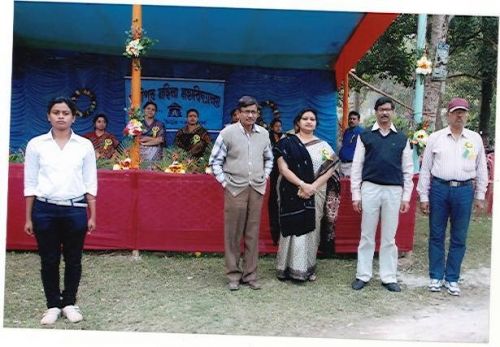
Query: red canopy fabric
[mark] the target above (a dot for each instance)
(366, 34)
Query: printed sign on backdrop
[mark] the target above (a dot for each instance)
(175, 97)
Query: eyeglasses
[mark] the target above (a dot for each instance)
(384, 110)
(248, 112)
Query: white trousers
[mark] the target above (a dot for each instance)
(345, 169)
(382, 203)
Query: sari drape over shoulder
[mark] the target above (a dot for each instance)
(296, 215)
(297, 249)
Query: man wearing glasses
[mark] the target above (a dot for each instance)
(381, 186)
(241, 161)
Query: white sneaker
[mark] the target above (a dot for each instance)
(453, 288)
(72, 313)
(435, 285)
(50, 316)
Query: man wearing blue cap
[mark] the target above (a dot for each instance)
(453, 179)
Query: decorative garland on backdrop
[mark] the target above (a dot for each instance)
(92, 101)
(274, 109)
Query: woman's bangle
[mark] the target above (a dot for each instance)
(300, 184)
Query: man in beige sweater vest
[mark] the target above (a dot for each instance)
(241, 161)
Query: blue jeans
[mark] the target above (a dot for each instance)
(454, 204)
(57, 226)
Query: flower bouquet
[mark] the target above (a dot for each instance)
(419, 136)
(178, 160)
(137, 44)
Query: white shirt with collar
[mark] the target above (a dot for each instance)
(453, 159)
(59, 174)
(359, 159)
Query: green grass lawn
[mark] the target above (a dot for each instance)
(182, 293)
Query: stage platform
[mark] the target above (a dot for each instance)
(143, 210)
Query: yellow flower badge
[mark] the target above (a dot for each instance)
(469, 152)
(326, 155)
(196, 138)
(155, 130)
(107, 143)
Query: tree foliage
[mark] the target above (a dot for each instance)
(472, 63)
(393, 55)
(473, 69)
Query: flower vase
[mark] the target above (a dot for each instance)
(135, 152)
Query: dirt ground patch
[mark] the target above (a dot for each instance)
(450, 319)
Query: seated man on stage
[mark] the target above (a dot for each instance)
(193, 137)
(105, 144)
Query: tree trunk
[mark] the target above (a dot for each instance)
(486, 97)
(487, 83)
(433, 89)
(357, 102)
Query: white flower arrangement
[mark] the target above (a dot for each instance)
(137, 44)
(424, 66)
(134, 49)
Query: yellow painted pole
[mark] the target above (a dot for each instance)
(136, 70)
(135, 84)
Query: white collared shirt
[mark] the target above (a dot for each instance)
(359, 159)
(453, 159)
(59, 174)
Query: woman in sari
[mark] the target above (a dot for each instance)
(153, 135)
(105, 143)
(308, 190)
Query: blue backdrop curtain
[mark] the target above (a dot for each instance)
(39, 75)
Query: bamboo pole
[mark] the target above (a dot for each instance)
(379, 91)
(136, 70)
(345, 103)
(135, 85)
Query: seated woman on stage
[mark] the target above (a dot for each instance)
(308, 187)
(193, 138)
(105, 144)
(153, 135)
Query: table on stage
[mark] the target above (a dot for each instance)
(143, 210)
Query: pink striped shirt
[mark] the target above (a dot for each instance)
(453, 159)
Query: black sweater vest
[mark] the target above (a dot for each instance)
(383, 156)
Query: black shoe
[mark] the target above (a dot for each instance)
(253, 285)
(233, 286)
(358, 284)
(392, 287)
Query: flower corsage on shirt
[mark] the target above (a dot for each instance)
(469, 152)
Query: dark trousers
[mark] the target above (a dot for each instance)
(59, 227)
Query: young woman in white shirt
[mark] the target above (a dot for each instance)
(60, 182)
